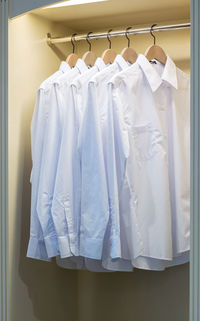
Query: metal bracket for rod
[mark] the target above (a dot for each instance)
(49, 43)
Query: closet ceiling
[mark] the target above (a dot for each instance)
(115, 13)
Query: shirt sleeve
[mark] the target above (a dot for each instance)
(66, 199)
(49, 164)
(36, 246)
(94, 195)
(121, 139)
(113, 230)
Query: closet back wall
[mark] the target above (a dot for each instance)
(38, 291)
(43, 291)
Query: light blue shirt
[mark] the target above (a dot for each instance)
(67, 191)
(79, 91)
(59, 103)
(106, 264)
(36, 246)
(99, 199)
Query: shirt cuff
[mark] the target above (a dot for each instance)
(51, 244)
(37, 249)
(64, 247)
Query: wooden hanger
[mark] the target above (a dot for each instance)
(72, 58)
(109, 55)
(129, 54)
(154, 51)
(89, 57)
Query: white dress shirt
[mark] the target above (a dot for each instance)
(58, 104)
(36, 246)
(79, 92)
(140, 78)
(110, 177)
(148, 104)
(67, 191)
(100, 79)
(97, 206)
(172, 101)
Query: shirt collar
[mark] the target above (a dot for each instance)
(81, 66)
(121, 62)
(64, 67)
(169, 73)
(99, 63)
(151, 74)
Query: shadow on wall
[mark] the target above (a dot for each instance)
(137, 296)
(64, 295)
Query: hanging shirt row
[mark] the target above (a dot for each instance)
(110, 176)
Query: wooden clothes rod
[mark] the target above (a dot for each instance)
(118, 33)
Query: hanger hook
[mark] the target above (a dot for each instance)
(126, 35)
(151, 32)
(73, 42)
(87, 39)
(109, 31)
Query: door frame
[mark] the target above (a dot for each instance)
(4, 268)
(195, 163)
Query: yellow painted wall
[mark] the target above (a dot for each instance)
(42, 291)
(38, 291)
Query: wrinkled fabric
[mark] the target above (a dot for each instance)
(149, 216)
(58, 104)
(97, 171)
(110, 177)
(66, 199)
(36, 246)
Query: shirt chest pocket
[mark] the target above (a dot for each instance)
(148, 142)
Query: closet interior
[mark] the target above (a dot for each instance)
(43, 291)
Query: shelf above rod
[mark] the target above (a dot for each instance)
(117, 33)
